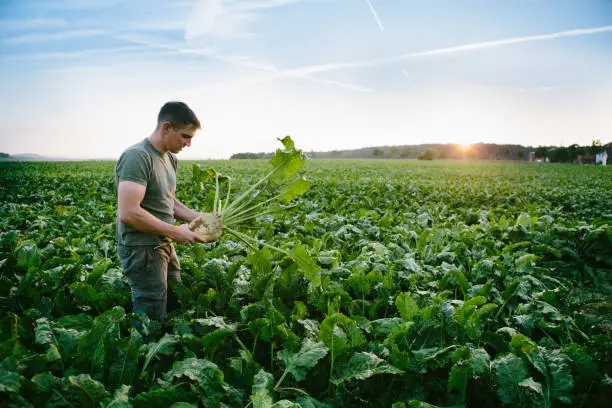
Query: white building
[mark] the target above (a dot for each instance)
(601, 158)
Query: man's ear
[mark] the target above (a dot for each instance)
(166, 127)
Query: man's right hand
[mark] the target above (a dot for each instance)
(183, 235)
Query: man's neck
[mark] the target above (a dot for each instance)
(157, 142)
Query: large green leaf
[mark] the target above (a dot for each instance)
(28, 255)
(286, 163)
(307, 357)
(307, 265)
(90, 391)
(339, 333)
(407, 307)
(510, 371)
(294, 189)
(124, 364)
(163, 346)
(121, 398)
(92, 349)
(262, 388)
(362, 366)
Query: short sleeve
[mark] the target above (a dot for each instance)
(134, 165)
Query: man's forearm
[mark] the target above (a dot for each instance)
(181, 212)
(143, 221)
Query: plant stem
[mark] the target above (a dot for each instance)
(246, 193)
(248, 217)
(216, 193)
(246, 238)
(235, 213)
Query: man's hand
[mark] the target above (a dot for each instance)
(183, 235)
(208, 225)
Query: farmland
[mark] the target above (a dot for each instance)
(445, 283)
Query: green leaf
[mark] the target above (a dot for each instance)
(480, 361)
(121, 399)
(163, 346)
(307, 357)
(309, 402)
(458, 378)
(532, 386)
(339, 333)
(262, 387)
(163, 398)
(90, 391)
(124, 365)
(510, 371)
(362, 366)
(45, 336)
(407, 307)
(294, 189)
(92, 348)
(9, 381)
(216, 321)
(307, 265)
(28, 255)
(207, 376)
(524, 220)
(261, 270)
(287, 162)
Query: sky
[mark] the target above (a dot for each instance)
(86, 78)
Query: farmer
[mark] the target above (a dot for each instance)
(145, 183)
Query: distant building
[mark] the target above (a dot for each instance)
(532, 157)
(603, 156)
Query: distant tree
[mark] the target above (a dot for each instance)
(394, 151)
(406, 152)
(541, 152)
(559, 155)
(4, 155)
(520, 155)
(596, 146)
(378, 152)
(428, 154)
(506, 154)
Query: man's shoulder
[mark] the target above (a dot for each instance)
(139, 149)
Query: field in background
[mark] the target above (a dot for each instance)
(451, 283)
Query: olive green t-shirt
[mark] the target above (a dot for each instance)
(144, 165)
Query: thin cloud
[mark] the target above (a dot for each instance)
(76, 55)
(59, 36)
(32, 24)
(442, 51)
(210, 53)
(228, 19)
(375, 14)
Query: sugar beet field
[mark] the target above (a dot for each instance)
(431, 284)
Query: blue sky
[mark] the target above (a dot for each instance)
(86, 78)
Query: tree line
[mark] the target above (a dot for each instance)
(476, 151)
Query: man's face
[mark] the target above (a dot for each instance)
(178, 138)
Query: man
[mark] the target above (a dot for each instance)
(145, 182)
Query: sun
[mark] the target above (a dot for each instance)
(465, 146)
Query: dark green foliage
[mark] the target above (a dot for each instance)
(405, 284)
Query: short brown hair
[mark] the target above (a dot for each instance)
(178, 114)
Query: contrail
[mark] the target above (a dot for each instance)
(440, 51)
(375, 14)
(275, 73)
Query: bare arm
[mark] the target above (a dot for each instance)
(182, 212)
(129, 197)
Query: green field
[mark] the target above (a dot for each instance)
(444, 283)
